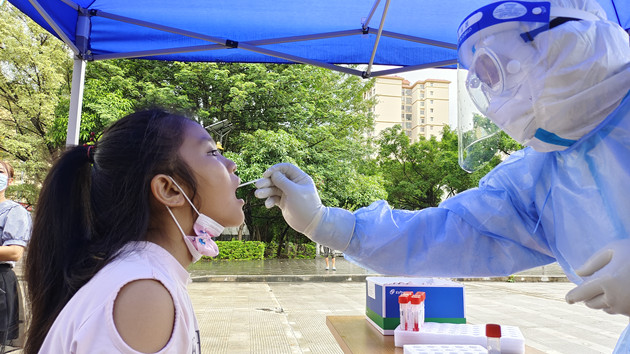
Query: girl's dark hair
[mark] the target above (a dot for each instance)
(93, 201)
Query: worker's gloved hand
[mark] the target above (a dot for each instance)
(294, 192)
(607, 280)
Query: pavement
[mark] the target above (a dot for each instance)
(306, 270)
(280, 306)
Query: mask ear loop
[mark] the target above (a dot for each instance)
(176, 222)
(185, 196)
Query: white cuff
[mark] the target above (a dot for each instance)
(335, 229)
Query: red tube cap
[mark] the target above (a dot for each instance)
(403, 299)
(493, 330)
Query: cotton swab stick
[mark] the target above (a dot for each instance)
(250, 182)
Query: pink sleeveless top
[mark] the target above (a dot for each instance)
(86, 323)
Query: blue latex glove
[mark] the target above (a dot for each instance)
(607, 280)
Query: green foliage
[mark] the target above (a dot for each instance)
(422, 174)
(34, 72)
(291, 250)
(23, 192)
(301, 251)
(254, 250)
(239, 250)
(486, 145)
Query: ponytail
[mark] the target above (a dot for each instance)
(61, 230)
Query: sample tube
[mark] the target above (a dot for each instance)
(413, 313)
(493, 333)
(403, 303)
(417, 310)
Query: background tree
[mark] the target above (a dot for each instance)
(313, 117)
(34, 72)
(424, 173)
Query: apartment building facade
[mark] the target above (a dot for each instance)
(421, 108)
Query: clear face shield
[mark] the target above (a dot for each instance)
(496, 58)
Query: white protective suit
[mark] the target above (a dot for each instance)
(560, 203)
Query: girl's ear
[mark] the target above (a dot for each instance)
(166, 192)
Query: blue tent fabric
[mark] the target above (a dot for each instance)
(267, 31)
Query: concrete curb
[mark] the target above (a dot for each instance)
(360, 278)
(282, 278)
(522, 279)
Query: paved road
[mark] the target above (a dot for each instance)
(283, 317)
(281, 306)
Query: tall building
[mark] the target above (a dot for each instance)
(420, 108)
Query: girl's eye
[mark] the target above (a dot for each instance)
(215, 153)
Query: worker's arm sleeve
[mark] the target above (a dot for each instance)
(486, 231)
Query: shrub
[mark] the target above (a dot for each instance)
(291, 250)
(239, 250)
(251, 250)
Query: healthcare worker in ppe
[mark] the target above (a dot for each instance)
(555, 76)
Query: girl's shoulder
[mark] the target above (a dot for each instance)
(144, 306)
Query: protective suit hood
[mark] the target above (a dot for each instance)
(572, 75)
(587, 74)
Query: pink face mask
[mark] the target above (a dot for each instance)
(205, 229)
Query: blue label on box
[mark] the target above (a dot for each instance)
(441, 302)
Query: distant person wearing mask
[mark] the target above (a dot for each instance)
(15, 231)
(555, 76)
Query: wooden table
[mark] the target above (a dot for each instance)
(355, 334)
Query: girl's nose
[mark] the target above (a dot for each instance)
(231, 165)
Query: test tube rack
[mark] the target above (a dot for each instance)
(444, 349)
(512, 340)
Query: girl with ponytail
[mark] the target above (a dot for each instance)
(116, 226)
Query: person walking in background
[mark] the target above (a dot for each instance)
(116, 226)
(329, 253)
(15, 231)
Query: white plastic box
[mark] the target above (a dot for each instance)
(444, 349)
(512, 340)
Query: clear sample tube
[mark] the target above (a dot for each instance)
(493, 333)
(413, 312)
(417, 310)
(403, 303)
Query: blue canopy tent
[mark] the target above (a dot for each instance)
(408, 34)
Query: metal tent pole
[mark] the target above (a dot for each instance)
(76, 101)
(368, 71)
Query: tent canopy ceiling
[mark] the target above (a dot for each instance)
(411, 34)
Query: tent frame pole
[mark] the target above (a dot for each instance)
(253, 46)
(403, 69)
(207, 47)
(368, 71)
(54, 26)
(76, 101)
(366, 23)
